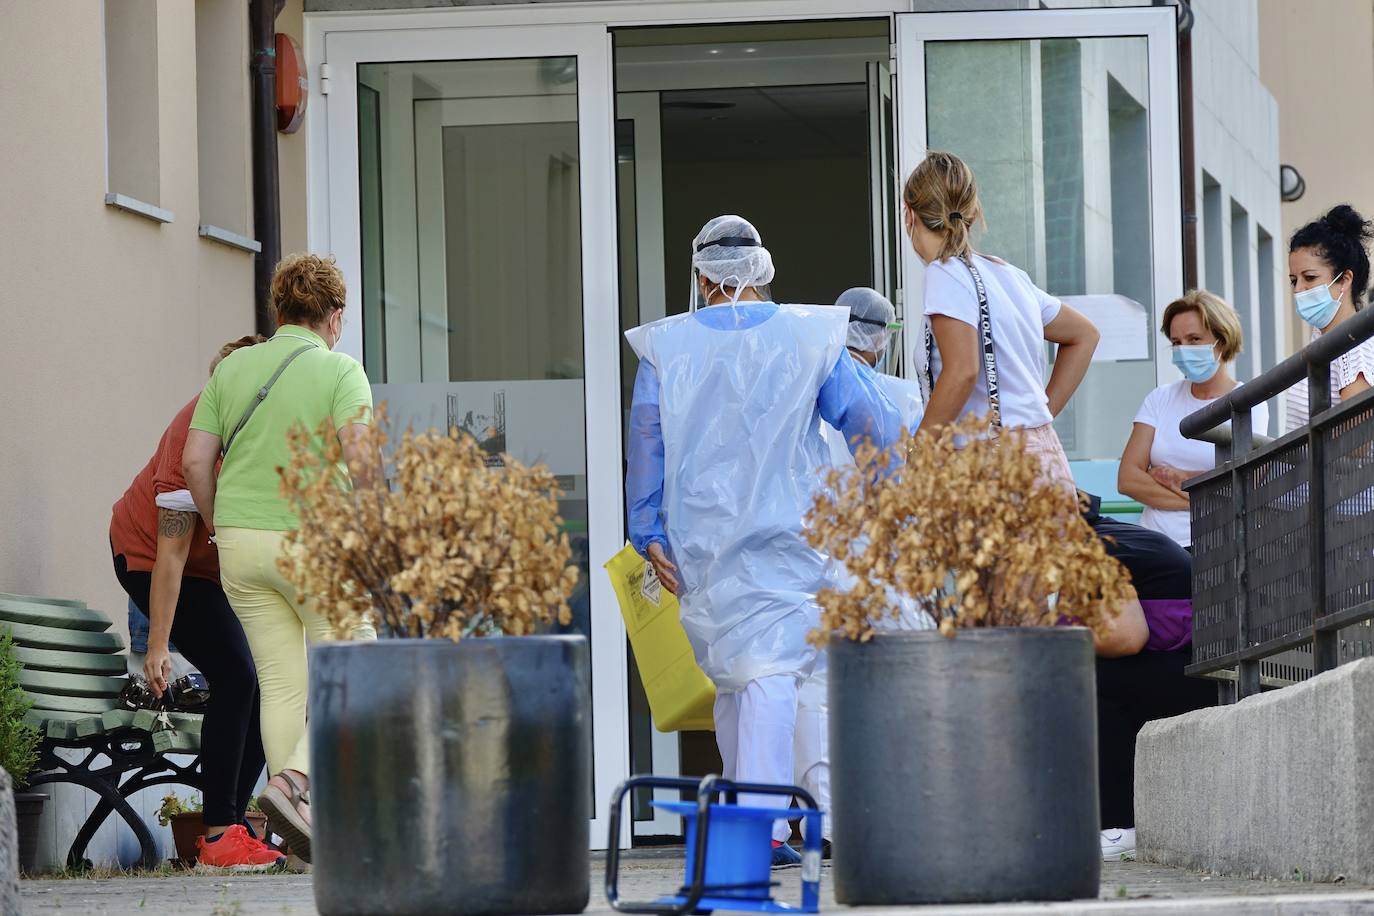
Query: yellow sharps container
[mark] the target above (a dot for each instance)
(681, 696)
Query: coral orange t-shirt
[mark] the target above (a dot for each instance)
(133, 526)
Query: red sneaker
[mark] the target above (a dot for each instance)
(236, 851)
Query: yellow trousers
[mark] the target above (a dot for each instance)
(278, 628)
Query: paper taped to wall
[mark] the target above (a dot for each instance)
(1123, 323)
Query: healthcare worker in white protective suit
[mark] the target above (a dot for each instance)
(872, 319)
(725, 453)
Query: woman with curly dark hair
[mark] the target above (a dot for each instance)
(1328, 268)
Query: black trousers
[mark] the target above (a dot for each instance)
(1130, 692)
(208, 634)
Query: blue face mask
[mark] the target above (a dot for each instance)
(1315, 305)
(1197, 363)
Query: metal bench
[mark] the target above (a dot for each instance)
(73, 672)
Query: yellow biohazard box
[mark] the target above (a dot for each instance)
(681, 696)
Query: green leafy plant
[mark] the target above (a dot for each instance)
(172, 806)
(18, 740)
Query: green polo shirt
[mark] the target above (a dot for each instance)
(318, 384)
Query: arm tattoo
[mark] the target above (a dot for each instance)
(171, 524)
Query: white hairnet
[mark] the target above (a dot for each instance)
(870, 318)
(729, 251)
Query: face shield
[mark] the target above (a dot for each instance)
(889, 361)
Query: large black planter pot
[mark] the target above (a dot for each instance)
(964, 770)
(451, 778)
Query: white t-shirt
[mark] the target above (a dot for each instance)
(1019, 310)
(1344, 370)
(1164, 408)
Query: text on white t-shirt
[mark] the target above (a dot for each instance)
(1019, 311)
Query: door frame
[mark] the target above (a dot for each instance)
(338, 231)
(1156, 24)
(338, 42)
(333, 44)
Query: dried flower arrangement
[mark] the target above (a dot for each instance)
(450, 548)
(965, 527)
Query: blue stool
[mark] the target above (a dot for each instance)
(729, 849)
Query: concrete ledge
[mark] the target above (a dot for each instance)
(1277, 786)
(140, 207)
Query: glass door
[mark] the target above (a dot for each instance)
(786, 123)
(472, 196)
(1069, 119)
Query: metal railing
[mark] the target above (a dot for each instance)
(1283, 532)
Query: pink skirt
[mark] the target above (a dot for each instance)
(1043, 442)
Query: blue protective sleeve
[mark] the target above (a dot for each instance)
(644, 476)
(853, 402)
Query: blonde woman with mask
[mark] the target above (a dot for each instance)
(966, 291)
(1206, 336)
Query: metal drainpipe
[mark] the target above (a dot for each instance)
(1187, 152)
(262, 67)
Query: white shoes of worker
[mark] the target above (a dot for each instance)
(1118, 843)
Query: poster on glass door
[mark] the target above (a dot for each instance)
(536, 422)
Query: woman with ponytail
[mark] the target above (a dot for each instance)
(1328, 268)
(965, 292)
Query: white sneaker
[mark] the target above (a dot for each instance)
(1118, 843)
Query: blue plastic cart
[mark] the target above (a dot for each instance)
(729, 850)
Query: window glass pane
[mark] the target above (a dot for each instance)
(1057, 132)
(472, 278)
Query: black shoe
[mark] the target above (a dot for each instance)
(784, 856)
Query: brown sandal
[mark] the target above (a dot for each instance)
(300, 791)
(283, 814)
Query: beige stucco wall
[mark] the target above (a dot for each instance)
(1317, 58)
(110, 318)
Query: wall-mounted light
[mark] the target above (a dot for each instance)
(1292, 186)
(293, 85)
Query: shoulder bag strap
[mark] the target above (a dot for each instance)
(262, 396)
(989, 356)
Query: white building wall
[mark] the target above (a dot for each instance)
(1236, 135)
(1235, 125)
